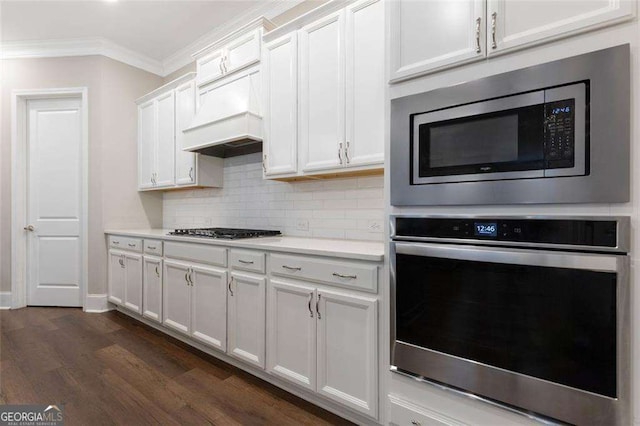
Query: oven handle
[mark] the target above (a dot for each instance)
(552, 259)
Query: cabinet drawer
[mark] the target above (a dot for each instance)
(359, 276)
(153, 247)
(125, 243)
(198, 253)
(246, 260)
(404, 413)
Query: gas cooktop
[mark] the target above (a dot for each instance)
(225, 233)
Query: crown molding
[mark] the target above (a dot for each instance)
(268, 10)
(79, 47)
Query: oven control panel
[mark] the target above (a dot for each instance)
(581, 232)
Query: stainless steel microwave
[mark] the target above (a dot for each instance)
(552, 133)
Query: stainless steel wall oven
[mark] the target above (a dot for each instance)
(551, 133)
(529, 312)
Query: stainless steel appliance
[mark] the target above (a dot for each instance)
(551, 133)
(225, 233)
(530, 312)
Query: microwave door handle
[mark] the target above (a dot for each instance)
(584, 261)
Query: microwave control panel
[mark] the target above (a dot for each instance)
(559, 146)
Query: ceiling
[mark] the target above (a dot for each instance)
(156, 29)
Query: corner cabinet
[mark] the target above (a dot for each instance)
(327, 115)
(162, 163)
(430, 35)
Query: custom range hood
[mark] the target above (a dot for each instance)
(228, 121)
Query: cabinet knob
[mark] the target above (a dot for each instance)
(30, 228)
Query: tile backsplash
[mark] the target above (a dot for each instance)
(345, 208)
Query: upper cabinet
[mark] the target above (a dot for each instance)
(430, 35)
(332, 121)
(238, 50)
(162, 163)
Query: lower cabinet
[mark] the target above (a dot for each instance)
(246, 320)
(152, 288)
(125, 279)
(325, 341)
(194, 301)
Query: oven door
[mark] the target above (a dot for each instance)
(539, 330)
(530, 135)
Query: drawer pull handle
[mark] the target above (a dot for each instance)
(229, 286)
(494, 17)
(416, 423)
(151, 247)
(157, 271)
(115, 243)
(309, 304)
(246, 262)
(351, 277)
(131, 245)
(291, 268)
(317, 308)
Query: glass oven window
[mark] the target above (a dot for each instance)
(555, 324)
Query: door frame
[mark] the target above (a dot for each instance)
(19, 199)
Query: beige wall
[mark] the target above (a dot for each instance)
(113, 199)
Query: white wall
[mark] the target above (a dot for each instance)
(620, 34)
(113, 197)
(349, 208)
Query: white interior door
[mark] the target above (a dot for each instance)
(54, 211)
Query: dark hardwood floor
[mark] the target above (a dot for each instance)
(110, 369)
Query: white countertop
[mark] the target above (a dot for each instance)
(349, 249)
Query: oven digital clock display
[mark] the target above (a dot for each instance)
(486, 229)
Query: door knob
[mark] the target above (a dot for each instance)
(30, 228)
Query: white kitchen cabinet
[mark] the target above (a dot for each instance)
(232, 53)
(291, 332)
(185, 110)
(194, 301)
(176, 296)
(165, 144)
(365, 84)
(125, 279)
(325, 341)
(146, 144)
(162, 163)
(117, 277)
(209, 305)
(512, 25)
(280, 85)
(152, 288)
(347, 350)
(246, 318)
(431, 35)
(322, 93)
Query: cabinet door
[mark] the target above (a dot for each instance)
(209, 68)
(322, 93)
(165, 142)
(146, 144)
(133, 282)
(428, 35)
(185, 109)
(280, 72)
(117, 276)
(243, 51)
(152, 288)
(209, 306)
(512, 25)
(347, 354)
(291, 332)
(246, 320)
(176, 292)
(365, 83)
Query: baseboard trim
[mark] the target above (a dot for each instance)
(97, 303)
(5, 300)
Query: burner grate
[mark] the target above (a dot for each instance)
(225, 233)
